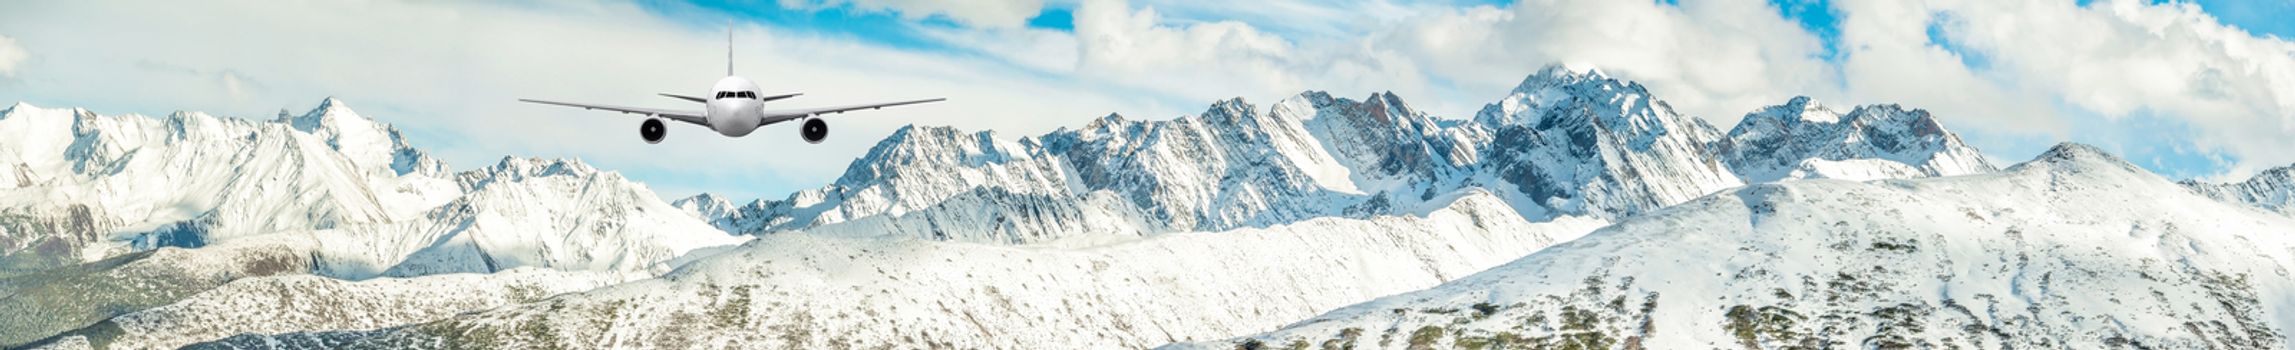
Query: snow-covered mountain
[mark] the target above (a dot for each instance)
(92, 186)
(1592, 145)
(86, 186)
(2075, 249)
(2272, 190)
(1803, 139)
(1562, 143)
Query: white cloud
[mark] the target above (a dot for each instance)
(1202, 61)
(1889, 60)
(2114, 58)
(977, 13)
(10, 56)
(1713, 59)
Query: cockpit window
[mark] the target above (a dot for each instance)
(723, 94)
(750, 95)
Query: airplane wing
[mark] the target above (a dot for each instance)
(695, 118)
(776, 116)
(684, 97)
(777, 97)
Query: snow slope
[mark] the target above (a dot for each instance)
(799, 290)
(2075, 249)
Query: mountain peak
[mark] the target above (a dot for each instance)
(705, 205)
(703, 198)
(1316, 98)
(1561, 75)
(330, 114)
(1810, 110)
(1921, 123)
(2078, 157)
(912, 133)
(11, 111)
(2077, 151)
(1227, 109)
(534, 166)
(1800, 108)
(371, 144)
(1103, 122)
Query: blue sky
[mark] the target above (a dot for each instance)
(2173, 98)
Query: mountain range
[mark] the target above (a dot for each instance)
(1526, 225)
(1563, 143)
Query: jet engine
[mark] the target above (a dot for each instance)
(653, 130)
(814, 131)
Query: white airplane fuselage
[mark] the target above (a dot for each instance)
(731, 115)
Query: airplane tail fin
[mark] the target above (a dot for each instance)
(728, 49)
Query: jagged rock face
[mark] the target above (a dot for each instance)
(1228, 167)
(2075, 249)
(929, 165)
(1382, 137)
(1804, 139)
(1588, 144)
(921, 168)
(2273, 190)
(1562, 144)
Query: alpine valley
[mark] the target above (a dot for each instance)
(1578, 211)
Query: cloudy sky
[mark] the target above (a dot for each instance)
(2193, 90)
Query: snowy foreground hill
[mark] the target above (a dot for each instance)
(2075, 249)
(327, 230)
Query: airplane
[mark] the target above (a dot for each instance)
(734, 109)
